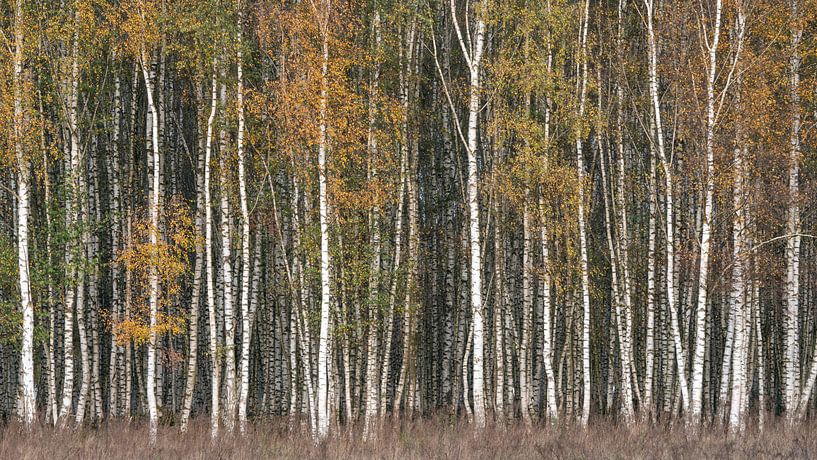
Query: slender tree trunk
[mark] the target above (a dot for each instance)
(649, 346)
(622, 227)
(324, 340)
(51, 404)
(153, 416)
(792, 366)
(71, 218)
(791, 359)
(672, 294)
(396, 265)
(245, 239)
(228, 294)
(372, 382)
(696, 402)
(113, 161)
(210, 263)
(526, 351)
(26, 405)
(95, 216)
(473, 56)
(195, 301)
(82, 327)
(585, 277)
(740, 313)
(618, 302)
(500, 338)
(547, 314)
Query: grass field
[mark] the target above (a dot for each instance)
(417, 440)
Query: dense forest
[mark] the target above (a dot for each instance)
(339, 212)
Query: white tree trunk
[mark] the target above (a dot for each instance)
(526, 351)
(210, 262)
(740, 312)
(585, 277)
(672, 294)
(473, 57)
(26, 405)
(153, 201)
(228, 295)
(51, 404)
(72, 171)
(622, 227)
(741, 336)
(547, 335)
(195, 301)
(372, 382)
(649, 346)
(245, 239)
(82, 328)
(502, 384)
(115, 396)
(323, 344)
(761, 359)
(791, 357)
(617, 300)
(696, 402)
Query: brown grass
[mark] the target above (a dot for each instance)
(416, 440)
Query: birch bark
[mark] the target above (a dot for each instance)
(210, 262)
(228, 295)
(739, 292)
(71, 86)
(581, 86)
(245, 237)
(324, 342)
(372, 384)
(27, 401)
(195, 301)
(472, 49)
(791, 357)
(696, 402)
(547, 335)
(153, 201)
(671, 294)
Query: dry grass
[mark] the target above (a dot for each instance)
(422, 439)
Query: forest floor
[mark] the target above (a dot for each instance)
(417, 440)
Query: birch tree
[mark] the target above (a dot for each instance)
(70, 84)
(711, 45)
(227, 294)
(657, 138)
(581, 94)
(323, 18)
(245, 236)
(472, 50)
(791, 362)
(153, 415)
(372, 382)
(210, 262)
(613, 212)
(26, 405)
(740, 354)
